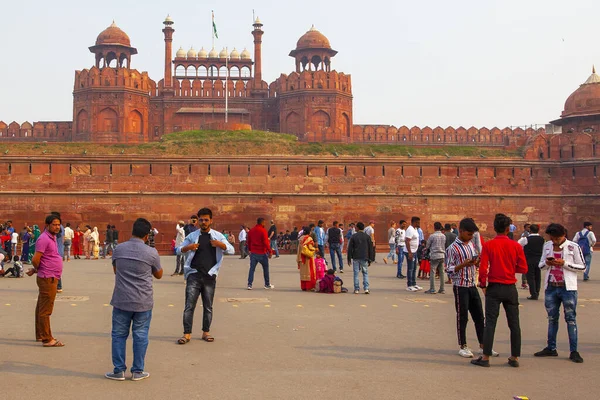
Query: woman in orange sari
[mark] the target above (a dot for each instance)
(306, 261)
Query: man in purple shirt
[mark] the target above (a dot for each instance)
(48, 265)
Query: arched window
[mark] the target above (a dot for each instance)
(234, 72)
(180, 70)
(190, 71)
(245, 72)
(213, 72)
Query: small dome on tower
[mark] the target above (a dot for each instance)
(202, 53)
(213, 54)
(313, 39)
(168, 20)
(585, 100)
(246, 55)
(257, 22)
(113, 35)
(192, 53)
(180, 53)
(235, 55)
(223, 53)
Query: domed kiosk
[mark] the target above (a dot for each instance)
(582, 108)
(313, 52)
(112, 44)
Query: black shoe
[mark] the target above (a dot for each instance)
(532, 298)
(400, 276)
(547, 353)
(481, 362)
(513, 363)
(575, 357)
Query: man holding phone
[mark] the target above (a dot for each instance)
(204, 250)
(461, 264)
(562, 259)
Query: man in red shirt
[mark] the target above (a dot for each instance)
(501, 259)
(259, 248)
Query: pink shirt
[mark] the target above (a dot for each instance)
(557, 274)
(51, 264)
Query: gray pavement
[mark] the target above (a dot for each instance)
(285, 343)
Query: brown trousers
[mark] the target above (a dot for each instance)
(43, 310)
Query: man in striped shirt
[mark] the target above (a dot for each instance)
(461, 263)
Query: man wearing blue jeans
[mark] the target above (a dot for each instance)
(360, 255)
(273, 239)
(586, 235)
(260, 252)
(562, 259)
(400, 247)
(334, 239)
(412, 244)
(134, 264)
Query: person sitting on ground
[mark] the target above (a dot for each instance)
(326, 284)
(16, 270)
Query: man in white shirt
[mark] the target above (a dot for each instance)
(400, 246)
(179, 238)
(412, 244)
(588, 250)
(242, 239)
(69, 235)
(14, 239)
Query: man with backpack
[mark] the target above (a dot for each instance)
(586, 241)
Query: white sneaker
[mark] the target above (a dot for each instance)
(418, 287)
(249, 287)
(411, 289)
(465, 352)
(494, 353)
(270, 287)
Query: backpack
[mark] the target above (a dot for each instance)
(584, 243)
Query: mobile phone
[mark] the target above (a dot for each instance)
(550, 258)
(474, 258)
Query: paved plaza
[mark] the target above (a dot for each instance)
(286, 344)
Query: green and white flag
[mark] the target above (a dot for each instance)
(215, 34)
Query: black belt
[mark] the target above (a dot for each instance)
(556, 284)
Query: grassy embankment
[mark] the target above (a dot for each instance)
(239, 143)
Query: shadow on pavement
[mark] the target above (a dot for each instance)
(37, 369)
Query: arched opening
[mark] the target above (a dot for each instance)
(123, 60)
(190, 71)
(346, 125)
(135, 122)
(108, 120)
(234, 72)
(293, 123)
(180, 70)
(213, 72)
(223, 72)
(202, 71)
(245, 71)
(82, 121)
(111, 60)
(304, 63)
(327, 63)
(316, 62)
(321, 120)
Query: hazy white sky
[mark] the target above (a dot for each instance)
(428, 63)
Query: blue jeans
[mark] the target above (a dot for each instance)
(554, 297)
(400, 261)
(263, 259)
(333, 250)
(411, 270)
(588, 263)
(358, 266)
(121, 322)
(274, 247)
(322, 250)
(198, 286)
(392, 253)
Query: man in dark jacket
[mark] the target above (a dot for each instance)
(533, 245)
(360, 255)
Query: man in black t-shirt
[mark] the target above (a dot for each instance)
(273, 238)
(334, 239)
(294, 240)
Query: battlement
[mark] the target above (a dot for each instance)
(114, 78)
(51, 131)
(313, 80)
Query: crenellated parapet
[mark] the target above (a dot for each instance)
(50, 131)
(313, 80)
(389, 134)
(108, 77)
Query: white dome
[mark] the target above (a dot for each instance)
(223, 54)
(213, 54)
(180, 53)
(168, 20)
(246, 55)
(202, 53)
(235, 55)
(191, 53)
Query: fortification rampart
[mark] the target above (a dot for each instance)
(294, 191)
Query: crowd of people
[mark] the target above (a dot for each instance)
(458, 252)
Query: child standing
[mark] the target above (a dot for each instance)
(320, 265)
(424, 264)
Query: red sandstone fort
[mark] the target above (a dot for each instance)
(555, 179)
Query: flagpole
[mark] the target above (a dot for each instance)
(226, 88)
